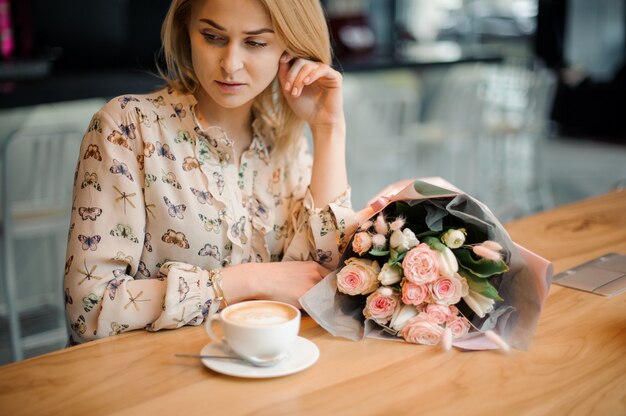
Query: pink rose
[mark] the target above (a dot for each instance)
(358, 277)
(454, 311)
(413, 294)
(420, 265)
(381, 305)
(362, 243)
(458, 327)
(439, 313)
(448, 290)
(422, 330)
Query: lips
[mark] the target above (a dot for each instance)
(229, 86)
(229, 83)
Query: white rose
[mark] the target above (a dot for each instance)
(411, 238)
(390, 275)
(396, 240)
(480, 304)
(454, 238)
(403, 241)
(401, 316)
(447, 262)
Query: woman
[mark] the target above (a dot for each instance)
(204, 192)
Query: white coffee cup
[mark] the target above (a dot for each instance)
(260, 331)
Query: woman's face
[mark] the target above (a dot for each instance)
(234, 50)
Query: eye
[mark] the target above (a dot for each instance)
(212, 37)
(255, 44)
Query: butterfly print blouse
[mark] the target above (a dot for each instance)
(158, 202)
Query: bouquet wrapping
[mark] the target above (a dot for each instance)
(483, 283)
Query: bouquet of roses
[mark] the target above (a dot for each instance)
(431, 265)
(429, 282)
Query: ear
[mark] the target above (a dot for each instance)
(286, 56)
(283, 67)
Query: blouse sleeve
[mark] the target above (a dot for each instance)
(321, 233)
(104, 288)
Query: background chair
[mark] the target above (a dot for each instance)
(37, 174)
(379, 107)
(491, 122)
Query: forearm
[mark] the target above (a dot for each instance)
(239, 283)
(279, 281)
(328, 177)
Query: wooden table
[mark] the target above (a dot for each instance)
(575, 365)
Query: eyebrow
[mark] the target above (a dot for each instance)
(251, 32)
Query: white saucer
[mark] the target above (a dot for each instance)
(303, 355)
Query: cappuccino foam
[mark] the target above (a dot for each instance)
(260, 314)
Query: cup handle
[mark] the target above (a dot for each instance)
(209, 328)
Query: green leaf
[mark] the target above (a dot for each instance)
(468, 274)
(379, 253)
(427, 234)
(397, 260)
(434, 243)
(483, 287)
(482, 267)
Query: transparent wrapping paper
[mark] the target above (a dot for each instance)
(524, 287)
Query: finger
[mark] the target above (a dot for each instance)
(323, 271)
(303, 78)
(283, 68)
(325, 72)
(295, 68)
(285, 62)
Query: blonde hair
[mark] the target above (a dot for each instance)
(302, 27)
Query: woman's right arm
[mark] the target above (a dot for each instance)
(106, 236)
(106, 288)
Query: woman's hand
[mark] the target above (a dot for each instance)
(313, 91)
(280, 281)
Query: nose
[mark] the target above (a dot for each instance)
(232, 59)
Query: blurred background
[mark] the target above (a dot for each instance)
(520, 103)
